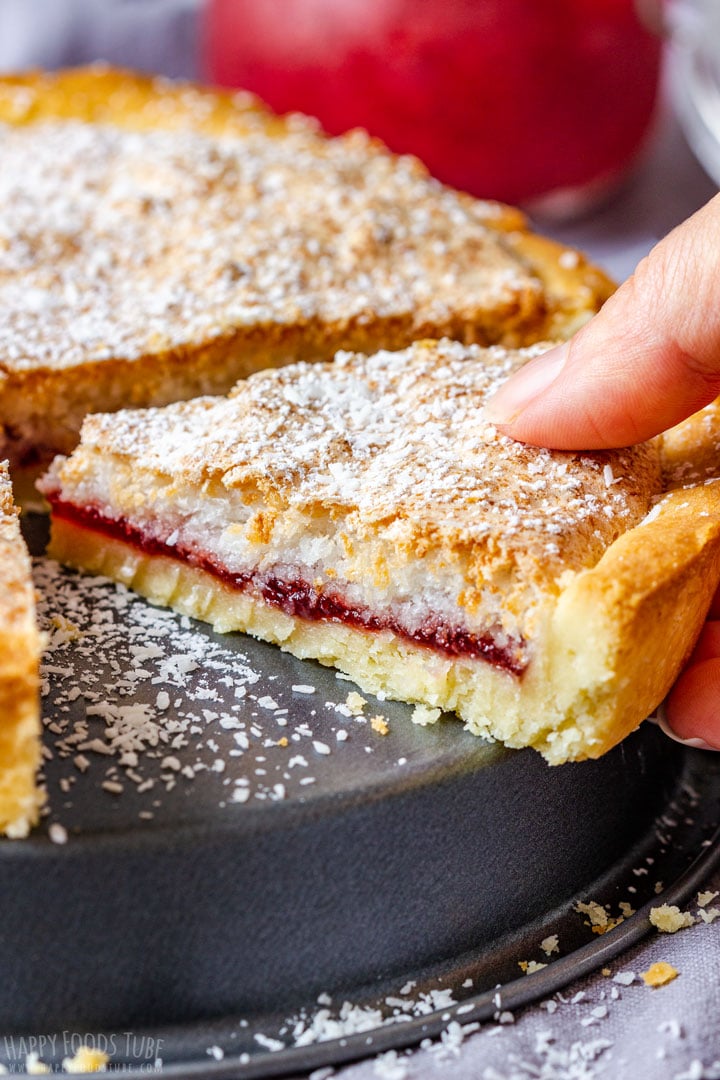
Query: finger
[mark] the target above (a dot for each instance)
(714, 612)
(708, 644)
(647, 360)
(693, 706)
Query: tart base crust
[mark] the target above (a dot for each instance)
(20, 647)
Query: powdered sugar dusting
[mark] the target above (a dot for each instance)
(395, 440)
(101, 255)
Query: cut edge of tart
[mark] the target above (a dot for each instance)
(20, 650)
(362, 513)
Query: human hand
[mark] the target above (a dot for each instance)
(648, 360)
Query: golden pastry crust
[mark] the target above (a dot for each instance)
(161, 241)
(20, 647)
(690, 451)
(375, 482)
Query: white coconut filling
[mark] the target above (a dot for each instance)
(369, 574)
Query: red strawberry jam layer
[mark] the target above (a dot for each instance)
(298, 598)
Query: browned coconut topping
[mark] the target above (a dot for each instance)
(391, 447)
(119, 243)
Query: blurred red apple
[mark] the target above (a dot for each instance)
(511, 99)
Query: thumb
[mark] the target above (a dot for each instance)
(647, 360)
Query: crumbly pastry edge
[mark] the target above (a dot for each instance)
(20, 651)
(610, 649)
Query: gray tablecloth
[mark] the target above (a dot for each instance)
(599, 1029)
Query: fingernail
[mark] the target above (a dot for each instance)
(525, 385)
(660, 719)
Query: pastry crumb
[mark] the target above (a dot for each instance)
(709, 915)
(659, 974)
(669, 919)
(607, 972)
(34, 1066)
(550, 944)
(68, 630)
(600, 922)
(379, 724)
(424, 715)
(530, 966)
(595, 912)
(86, 1060)
(610, 925)
(704, 898)
(355, 703)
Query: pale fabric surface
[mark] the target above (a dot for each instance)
(670, 1033)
